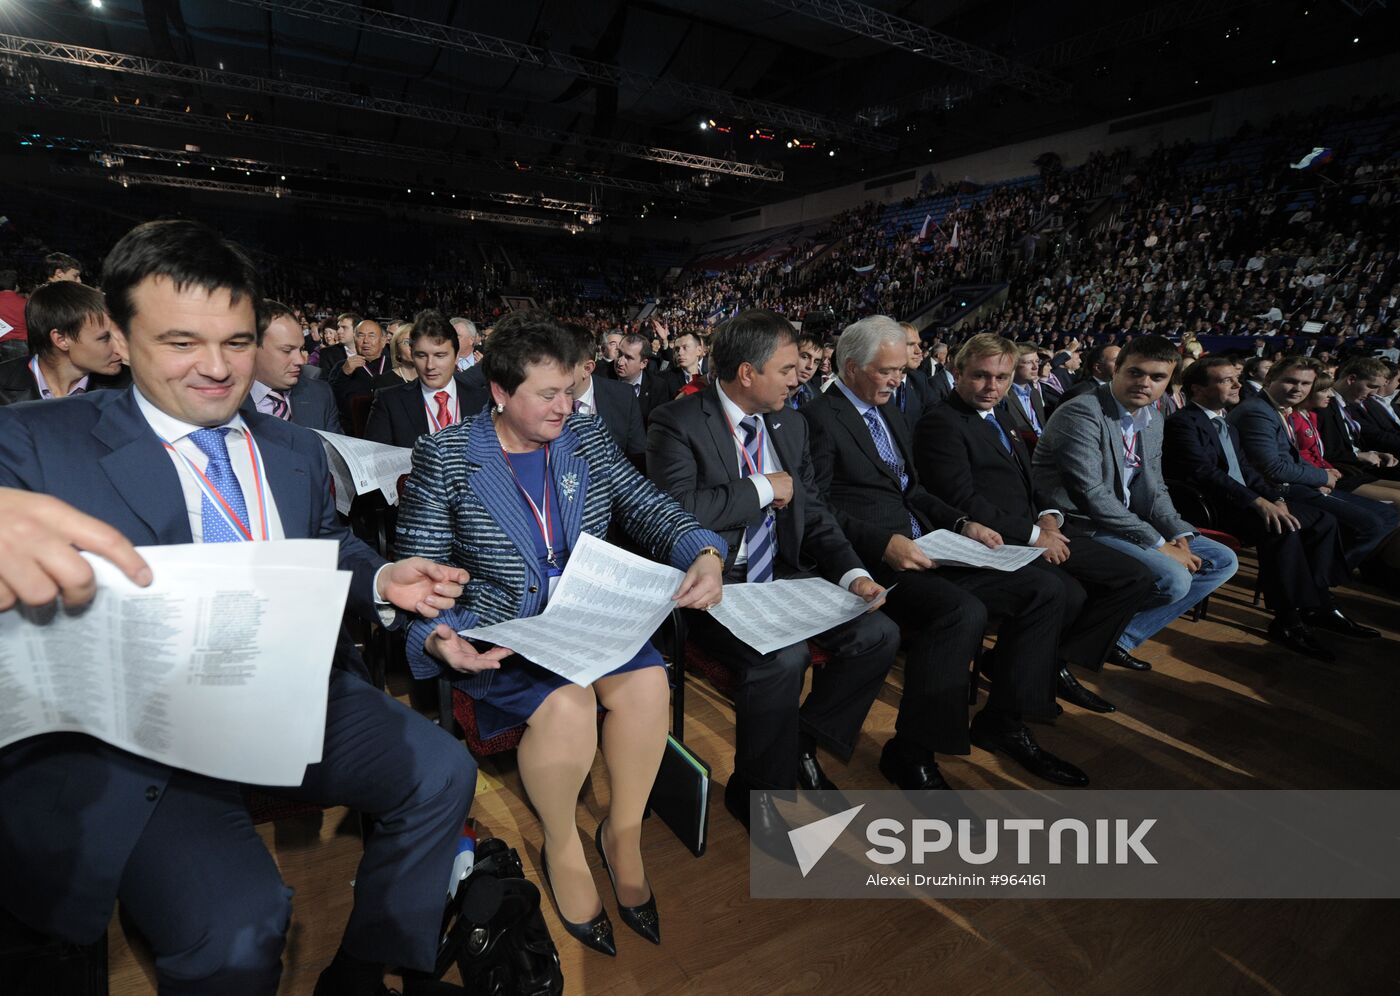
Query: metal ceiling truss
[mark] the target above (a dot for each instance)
(1146, 24)
(339, 143)
(912, 37)
(92, 58)
(282, 193)
(150, 153)
(711, 99)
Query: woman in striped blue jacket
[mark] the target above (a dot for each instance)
(505, 495)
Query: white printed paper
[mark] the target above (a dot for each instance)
(777, 614)
(607, 604)
(948, 549)
(218, 667)
(359, 466)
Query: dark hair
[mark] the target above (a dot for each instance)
(9, 279)
(522, 338)
(60, 261)
(1197, 374)
(186, 253)
(632, 337)
(584, 339)
(1363, 368)
(1153, 348)
(63, 306)
(268, 312)
(355, 319)
(752, 336)
(430, 324)
(1252, 365)
(805, 336)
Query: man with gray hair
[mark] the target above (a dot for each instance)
(466, 343)
(864, 462)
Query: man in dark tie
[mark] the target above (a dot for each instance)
(968, 454)
(1099, 364)
(171, 460)
(1024, 404)
(632, 367)
(608, 400)
(940, 375)
(72, 347)
(1300, 546)
(686, 353)
(280, 385)
(913, 395)
(738, 461)
(1360, 382)
(863, 457)
(437, 398)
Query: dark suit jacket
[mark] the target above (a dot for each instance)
(362, 383)
(1086, 386)
(962, 461)
(919, 397)
(617, 407)
(653, 392)
(862, 490)
(1266, 445)
(17, 382)
(1337, 443)
(691, 454)
(1378, 430)
(313, 405)
(397, 417)
(331, 357)
(1017, 415)
(938, 386)
(1191, 451)
(99, 454)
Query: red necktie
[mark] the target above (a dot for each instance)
(444, 415)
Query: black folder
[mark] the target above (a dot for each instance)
(681, 795)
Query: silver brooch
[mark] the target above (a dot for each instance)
(569, 485)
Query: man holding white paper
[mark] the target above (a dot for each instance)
(83, 824)
(736, 457)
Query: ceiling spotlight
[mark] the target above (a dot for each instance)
(789, 145)
(1273, 62)
(410, 190)
(106, 159)
(705, 180)
(1355, 40)
(704, 126)
(831, 152)
(281, 178)
(96, 4)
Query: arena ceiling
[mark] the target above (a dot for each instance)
(552, 109)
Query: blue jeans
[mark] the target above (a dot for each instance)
(1174, 589)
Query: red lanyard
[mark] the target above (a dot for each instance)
(216, 496)
(545, 522)
(744, 450)
(1130, 457)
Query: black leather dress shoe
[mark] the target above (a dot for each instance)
(912, 776)
(1021, 747)
(810, 775)
(1067, 687)
(1334, 621)
(766, 828)
(1122, 658)
(1298, 638)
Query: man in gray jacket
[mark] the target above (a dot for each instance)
(1100, 462)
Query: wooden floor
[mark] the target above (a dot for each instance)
(1222, 708)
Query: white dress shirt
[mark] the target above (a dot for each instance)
(586, 404)
(454, 405)
(259, 394)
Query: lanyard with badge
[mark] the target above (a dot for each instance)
(545, 520)
(216, 498)
(754, 470)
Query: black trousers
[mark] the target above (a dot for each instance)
(1365, 523)
(768, 721)
(944, 614)
(1102, 590)
(1296, 569)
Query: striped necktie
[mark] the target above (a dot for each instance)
(884, 445)
(758, 537)
(279, 406)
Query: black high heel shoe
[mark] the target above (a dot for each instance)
(596, 933)
(643, 919)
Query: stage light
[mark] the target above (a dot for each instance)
(1355, 40)
(704, 126)
(281, 178)
(831, 152)
(96, 4)
(1273, 62)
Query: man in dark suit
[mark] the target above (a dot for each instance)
(633, 369)
(1300, 546)
(1061, 378)
(83, 824)
(281, 385)
(71, 345)
(1024, 405)
(607, 399)
(686, 355)
(809, 360)
(335, 354)
(439, 397)
(940, 374)
(1359, 384)
(737, 459)
(914, 395)
(1099, 364)
(366, 370)
(968, 454)
(1256, 368)
(863, 458)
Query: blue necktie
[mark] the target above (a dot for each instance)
(991, 419)
(214, 527)
(885, 447)
(758, 537)
(1232, 460)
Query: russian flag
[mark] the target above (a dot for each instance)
(1316, 158)
(923, 232)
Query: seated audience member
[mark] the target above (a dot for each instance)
(401, 353)
(607, 399)
(809, 358)
(1357, 414)
(506, 494)
(1300, 547)
(740, 464)
(1096, 372)
(1099, 462)
(1025, 405)
(968, 454)
(177, 849)
(632, 367)
(863, 459)
(686, 353)
(466, 343)
(281, 387)
(364, 371)
(913, 396)
(1060, 378)
(940, 375)
(1266, 436)
(334, 354)
(59, 266)
(1256, 368)
(14, 334)
(73, 347)
(436, 398)
(608, 351)
(1324, 439)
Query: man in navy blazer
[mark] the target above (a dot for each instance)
(438, 398)
(282, 386)
(1300, 546)
(606, 399)
(83, 824)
